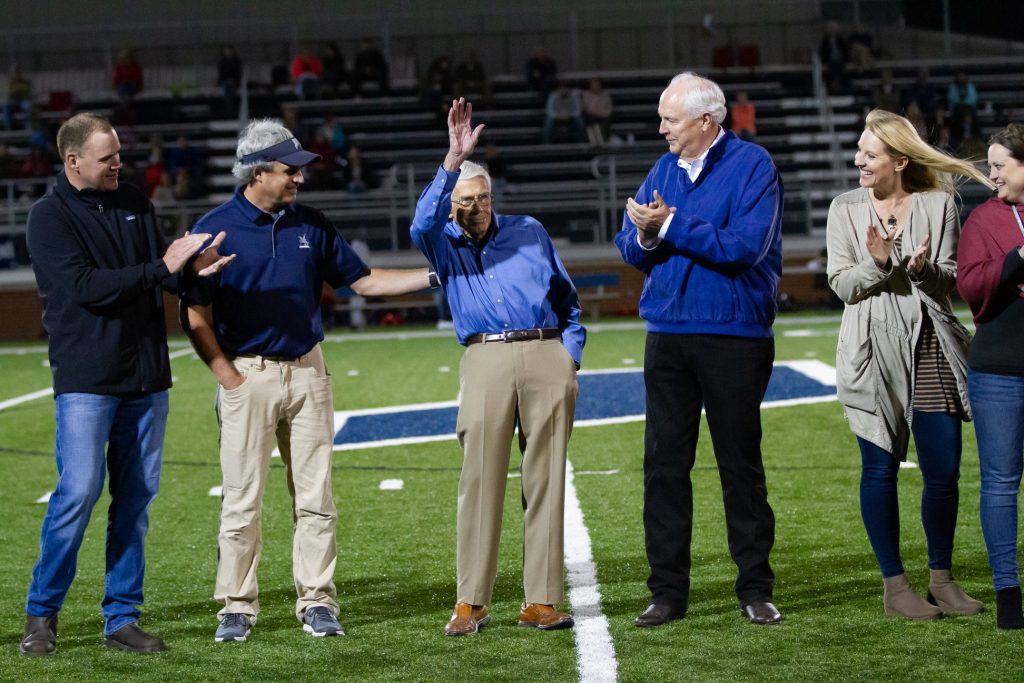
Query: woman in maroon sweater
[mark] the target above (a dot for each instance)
(991, 281)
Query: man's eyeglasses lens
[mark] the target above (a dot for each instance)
(481, 200)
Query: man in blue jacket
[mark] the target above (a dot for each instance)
(704, 229)
(516, 311)
(101, 266)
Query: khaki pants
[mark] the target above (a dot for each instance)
(292, 402)
(534, 381)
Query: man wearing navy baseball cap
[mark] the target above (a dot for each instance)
(259, 330)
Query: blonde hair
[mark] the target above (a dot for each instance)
(927, 168)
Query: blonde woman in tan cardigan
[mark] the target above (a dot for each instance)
(900, 363)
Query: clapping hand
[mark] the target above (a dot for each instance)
(649, 217)
(919, 258)
(880, 243)
(209, 261)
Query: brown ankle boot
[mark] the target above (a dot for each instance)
(901, 601)
(946, 594)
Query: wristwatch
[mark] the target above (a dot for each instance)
(434, 281)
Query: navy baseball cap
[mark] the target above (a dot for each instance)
(288, 152)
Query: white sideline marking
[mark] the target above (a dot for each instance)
(595, 652)
(392, 485)
(17, 400)
(45, 498)
(181, 352)
(907, 465)
(582, 472)
(215, 491)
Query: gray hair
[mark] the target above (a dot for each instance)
(258, 135)
(471, 169)
(703, 96)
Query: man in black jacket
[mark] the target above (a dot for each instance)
(100, 264)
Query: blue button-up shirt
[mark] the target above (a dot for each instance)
(513, 281)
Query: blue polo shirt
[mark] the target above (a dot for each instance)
(267, 302)
(513, 281)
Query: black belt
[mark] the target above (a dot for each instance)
(515, 335)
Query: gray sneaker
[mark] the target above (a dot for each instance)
(319, 621)
(233, 626)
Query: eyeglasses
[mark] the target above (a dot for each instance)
(480, 200)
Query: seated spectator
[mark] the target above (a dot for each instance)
(564, 109)
(914, 114)
(961, 98)
(306, 72)
(156, 166)
(470, 78)
(862, 48)
(541, 72)
(163, 193)
(922, 92)
(744, 117)
(186, 156)
(970, 144)
(8, 166)
(128, 78)
(335, 75)
(597, 112)
(497, 168)
(229, 75)
(885, 95)
(370, 66)
(834, 53)
(182, 189)
(357, 175)
(436, 88)
(320, 174)
(38, 164)
(18, 110)
(335, 134)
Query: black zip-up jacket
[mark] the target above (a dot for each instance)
(98, 266)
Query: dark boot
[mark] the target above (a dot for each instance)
(1008, 612)
(40, 639)
(131, 638)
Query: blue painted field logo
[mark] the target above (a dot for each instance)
(606, 397)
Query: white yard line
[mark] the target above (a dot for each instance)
(17, 400)
(595, 651)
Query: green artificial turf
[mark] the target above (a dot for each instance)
(395, 572)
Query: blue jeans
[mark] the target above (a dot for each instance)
(938, 441)
(998, 405)
(132, 430)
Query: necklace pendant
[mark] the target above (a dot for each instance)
(891, 222)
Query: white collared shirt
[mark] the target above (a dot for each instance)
(693, 169)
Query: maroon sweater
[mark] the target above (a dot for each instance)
(990, 271)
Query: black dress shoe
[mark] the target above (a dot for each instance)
(761, 613)
(656, 615)
(40, 639)
(131, 638)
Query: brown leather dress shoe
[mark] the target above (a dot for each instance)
(656, 615)
(131, 638)
(467, 619)
(544, 617)
(762, 613)
(40, 639)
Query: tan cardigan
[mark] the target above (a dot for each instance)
(875, 359)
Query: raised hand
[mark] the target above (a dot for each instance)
(209, 261)
(919, 258)
(462, 136)
(880, 246)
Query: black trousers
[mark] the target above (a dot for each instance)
(728, 376)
